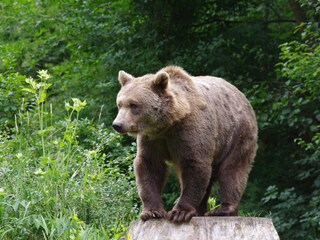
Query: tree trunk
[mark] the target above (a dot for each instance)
(298, 11)
(204, 228)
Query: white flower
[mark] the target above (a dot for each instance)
(78, 105)
(43, 74)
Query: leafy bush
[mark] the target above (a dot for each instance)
(12, 99)
(52, 186)
(296, 209)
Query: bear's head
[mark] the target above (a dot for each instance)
(147, 105)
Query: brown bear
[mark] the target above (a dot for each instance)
(203, 125)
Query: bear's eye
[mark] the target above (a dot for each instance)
(133, 106)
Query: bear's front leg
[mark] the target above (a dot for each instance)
(150, 177)
(194, 180)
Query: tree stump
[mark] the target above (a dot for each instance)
(205, 228)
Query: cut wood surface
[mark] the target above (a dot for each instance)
(204, 228)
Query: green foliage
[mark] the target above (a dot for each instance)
(52, 186)
(74, 40)
(85, 43)
(299, 64)
(12, 99)
(298, 109)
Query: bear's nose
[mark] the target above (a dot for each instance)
(117, 127)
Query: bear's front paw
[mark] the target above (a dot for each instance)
(179, 215)
(153, 214)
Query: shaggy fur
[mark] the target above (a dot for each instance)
(203, 125)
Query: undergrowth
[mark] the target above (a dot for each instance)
(63, 178)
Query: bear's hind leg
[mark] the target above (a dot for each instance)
(232, 178)
(203, 207)
(232, 184)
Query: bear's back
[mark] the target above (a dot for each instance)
(225, 105)
(223, 95)
(230, 108)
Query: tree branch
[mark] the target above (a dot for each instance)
(248, 22)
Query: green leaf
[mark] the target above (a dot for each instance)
(42, 96)
(29, 90)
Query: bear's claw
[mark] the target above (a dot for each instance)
(153, 214)
(179, 216)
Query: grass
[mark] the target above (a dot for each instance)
(63, 178)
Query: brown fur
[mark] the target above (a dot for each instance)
(203, 125)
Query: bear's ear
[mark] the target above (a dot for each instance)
(161, 81)
(124, 77)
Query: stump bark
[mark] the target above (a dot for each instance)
(205, 228)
